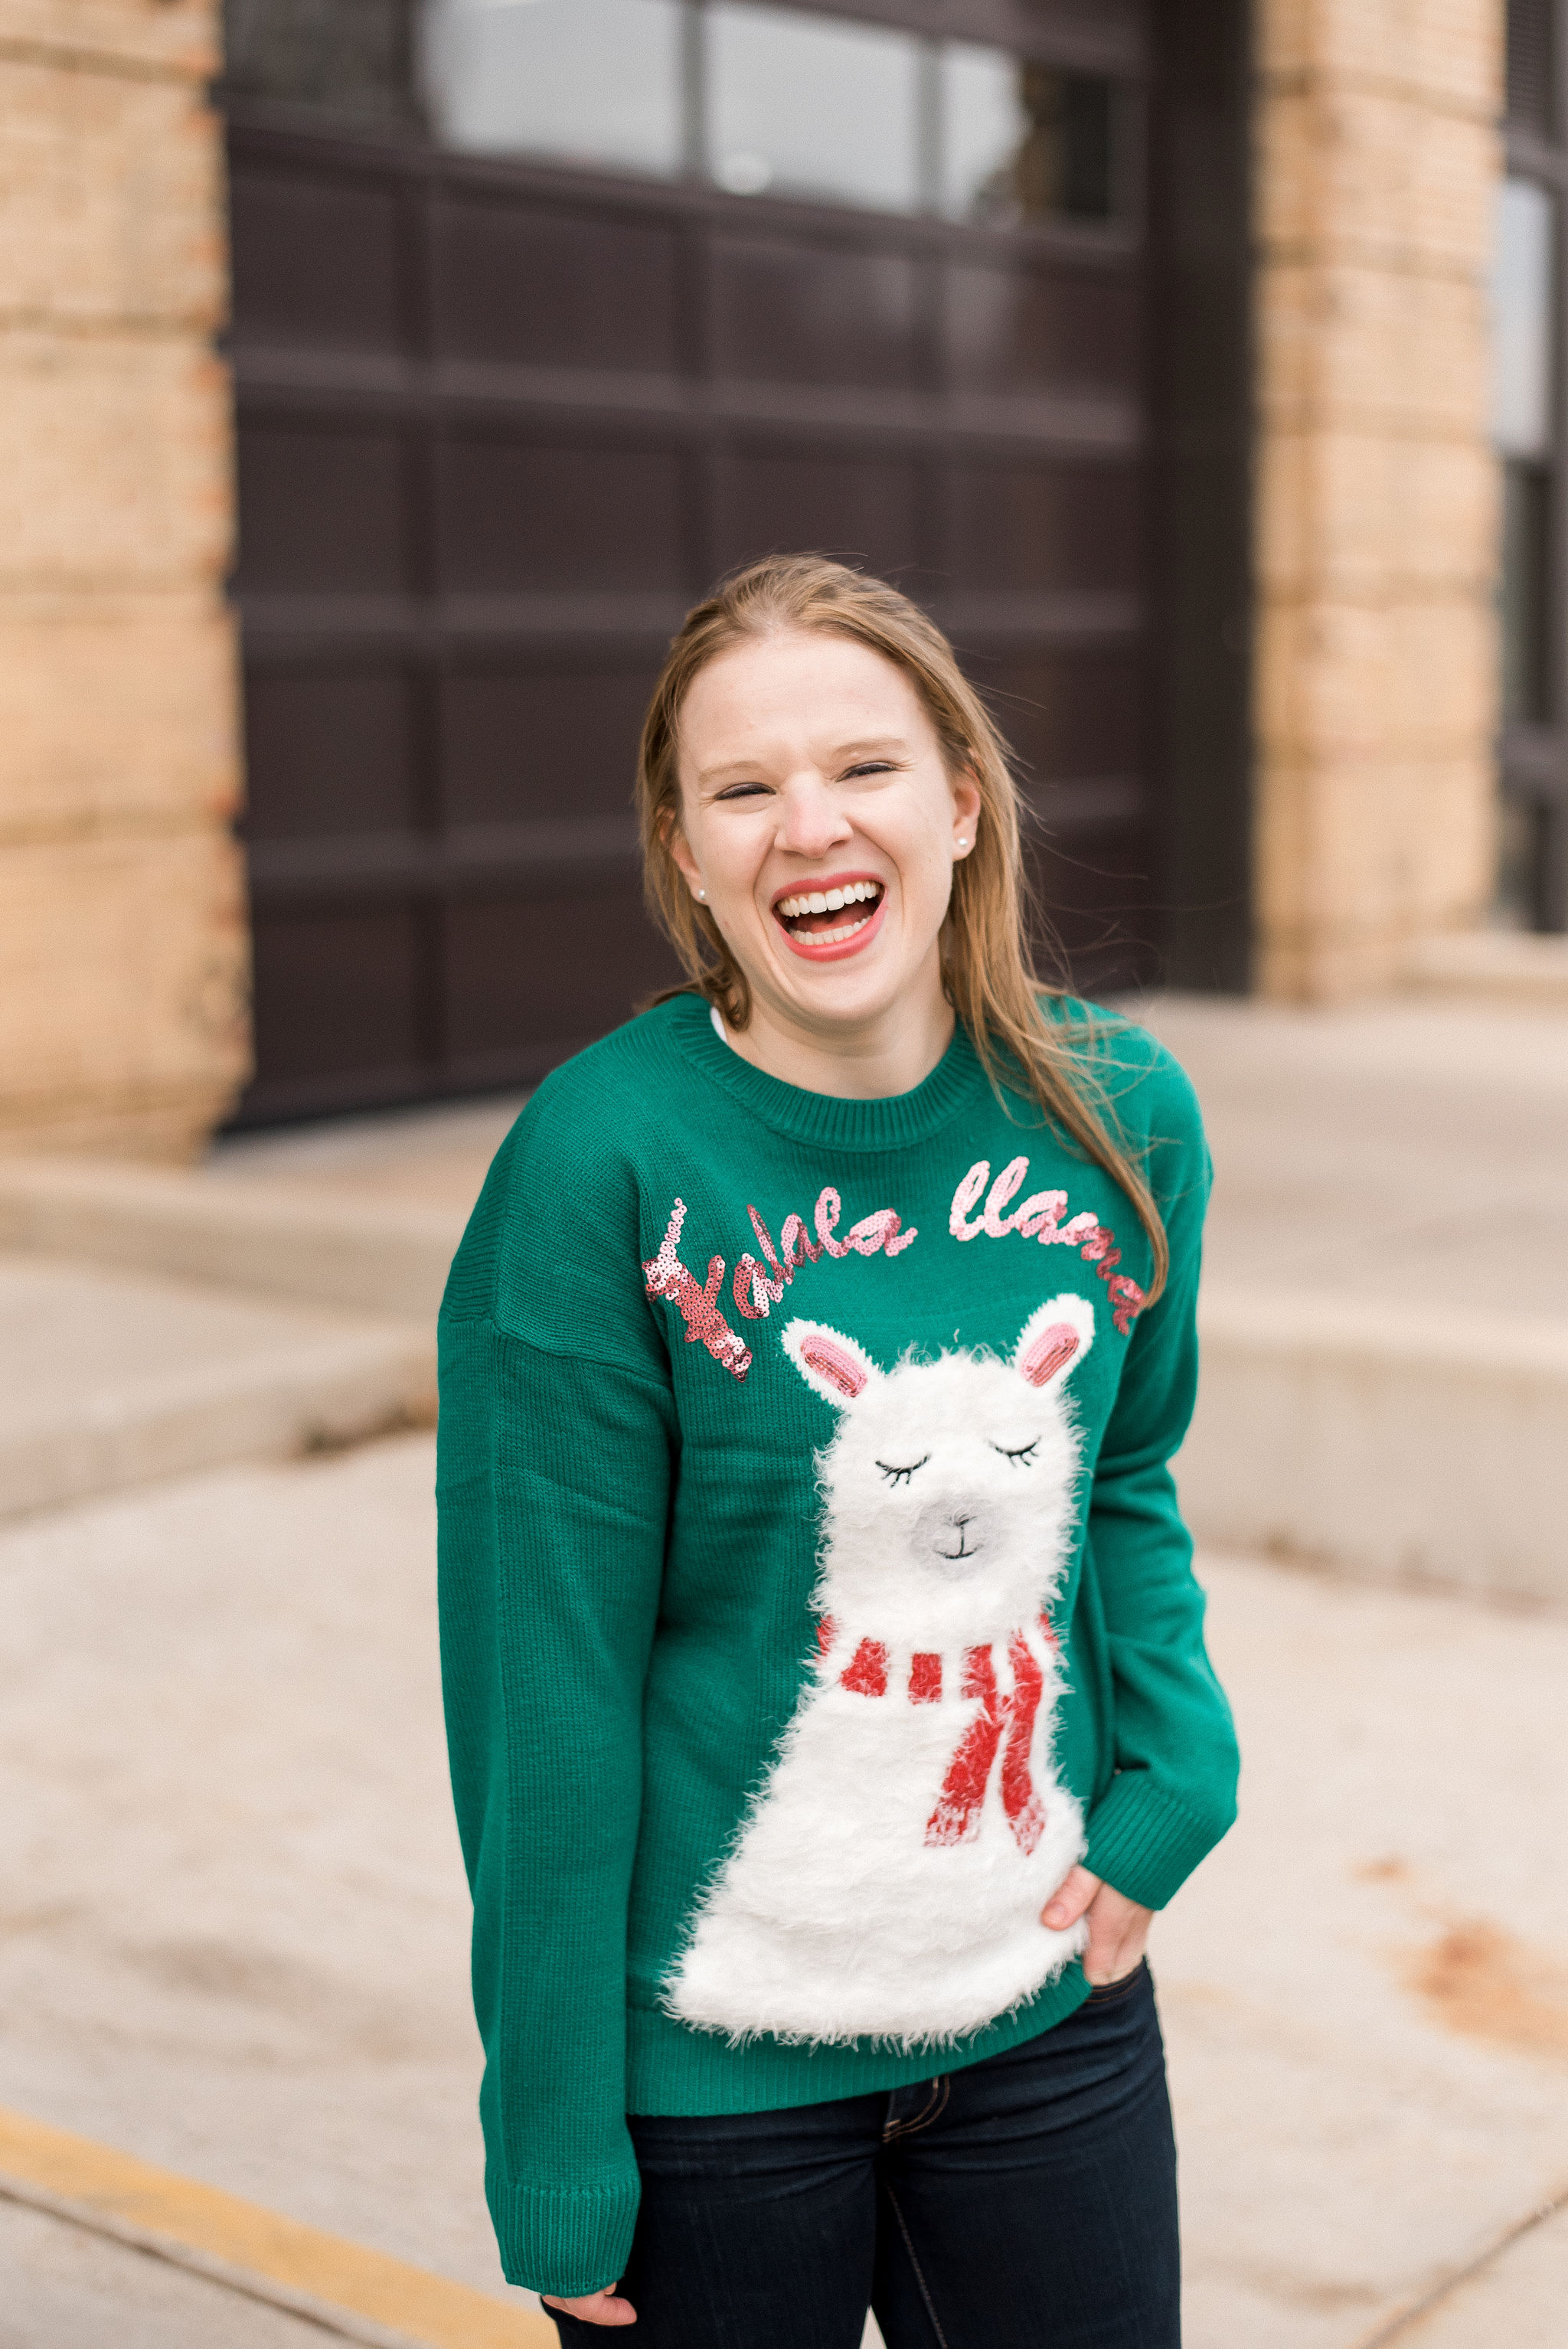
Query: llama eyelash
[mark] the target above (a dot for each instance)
(1026, 1453)
(902, 1475)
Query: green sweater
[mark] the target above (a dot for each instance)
(813, 1590)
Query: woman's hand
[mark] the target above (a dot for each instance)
(594, 2307)
(1117, 1928)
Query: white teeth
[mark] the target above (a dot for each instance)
(831, 901)
(836, 937)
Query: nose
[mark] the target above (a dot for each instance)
(811, 820)
(952, 1534)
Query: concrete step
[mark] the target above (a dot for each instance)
(375, 1255)
(1510, 968)
(1407, 1444)
(1385, 1306)
(111, 1379)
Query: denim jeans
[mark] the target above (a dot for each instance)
(1025, 2202)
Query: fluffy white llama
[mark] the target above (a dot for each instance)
(889, 1879)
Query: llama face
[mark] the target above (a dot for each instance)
(949, 1485)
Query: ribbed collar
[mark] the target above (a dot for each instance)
(893, 1123)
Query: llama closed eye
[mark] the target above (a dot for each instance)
(1025, 1452)
(902, 1475)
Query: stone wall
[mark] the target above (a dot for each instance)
(122, 925)
(1377, 155)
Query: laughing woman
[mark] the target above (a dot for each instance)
(825, 1675)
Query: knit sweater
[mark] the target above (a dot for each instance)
(813, 1591)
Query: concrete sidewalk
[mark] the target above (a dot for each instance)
(234, 1937)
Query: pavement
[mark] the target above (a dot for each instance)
(233, 1923)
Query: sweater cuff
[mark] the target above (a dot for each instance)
(566, 2241)
(1144, 1842)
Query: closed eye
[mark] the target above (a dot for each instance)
(1025, 1452)
(902, 1475)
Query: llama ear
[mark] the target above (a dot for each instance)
(1055, 1336)
(831, 1365)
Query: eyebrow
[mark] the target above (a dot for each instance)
(733, 769)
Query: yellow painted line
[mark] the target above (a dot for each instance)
(360, 2294)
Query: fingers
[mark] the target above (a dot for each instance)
(593, 2307)
(1117, 1929)
(1070, 1898)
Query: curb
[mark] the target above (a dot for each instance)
(315, 1392)
(345, 2289)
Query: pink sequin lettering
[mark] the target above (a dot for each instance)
(665, 1276)
(1009, 1180)
(756, 1284)
(877, 1231)
(796, 1245)
(752, 1291)
(1040, 1218)
(964, 1198)
(827, 1218)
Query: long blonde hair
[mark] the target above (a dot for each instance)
(986, 965)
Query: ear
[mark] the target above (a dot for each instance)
(1055, 1336)
(966, 807)
(676, 841)
(832, 1366)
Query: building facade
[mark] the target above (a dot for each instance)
(387, 378)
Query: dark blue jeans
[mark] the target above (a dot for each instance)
(1025, 2202)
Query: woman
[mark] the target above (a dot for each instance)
(826, 1688)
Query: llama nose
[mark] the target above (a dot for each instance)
(952, 1534)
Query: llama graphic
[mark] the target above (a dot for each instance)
(889, 1879)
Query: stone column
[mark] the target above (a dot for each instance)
(1378, 156)
(123, 931)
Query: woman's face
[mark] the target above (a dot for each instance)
(817, 816)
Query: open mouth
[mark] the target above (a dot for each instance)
(830, 917)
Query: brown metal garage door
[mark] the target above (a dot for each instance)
(501, 420)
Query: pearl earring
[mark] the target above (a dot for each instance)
(962, 844)
(702, 897)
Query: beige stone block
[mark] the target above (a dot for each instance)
(1441, 667)
(1391, 514)
(119, 463)
(1356, 858)
(1282, 38)
(1287, 168)
(122, 718)
(1445, 511)
(1289, 301)
(1324, 681)
(1450, 49)
(1341, 341)
(1341, 680)
(111, 202)
(1405, 352)
(122, 973)
(178, 38)
(1285, 514)
(1394, 177)
(1376, 172)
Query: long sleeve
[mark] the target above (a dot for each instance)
(553, 1483)
(1176, 1764)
